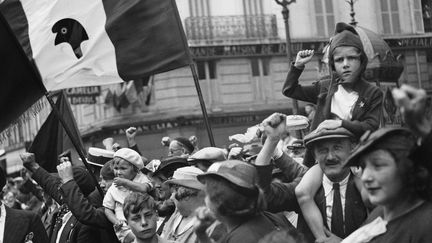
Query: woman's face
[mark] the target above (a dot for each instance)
(381, 178)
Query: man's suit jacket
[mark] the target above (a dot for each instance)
(355, 211)
(90, 212)
(20, 223)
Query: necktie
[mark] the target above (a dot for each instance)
(337, 222)
(58, 222)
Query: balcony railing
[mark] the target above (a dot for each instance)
(228, 29)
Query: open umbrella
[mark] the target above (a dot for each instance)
(382, 64)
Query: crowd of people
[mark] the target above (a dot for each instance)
(350, 179)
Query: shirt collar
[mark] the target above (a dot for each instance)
(328, 184)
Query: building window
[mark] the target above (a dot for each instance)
(252, 7)
(390, 17)
(427, 15)
(260, 66)
(201, 70)
(255, 67)
(199, 8)
(324, 15)
(206, 69)
(212, 69)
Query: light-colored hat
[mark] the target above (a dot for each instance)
(98, 156)
(130, 156)
(237, 172)
(209, 154)
(323, 134)
(187, 177)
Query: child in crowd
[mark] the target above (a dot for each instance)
(349, 102)
(126, 165)
(141, 216)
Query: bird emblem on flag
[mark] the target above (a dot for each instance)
(72, 32)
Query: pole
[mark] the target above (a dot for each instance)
(285, 14)
(74, 142)
(203, 107)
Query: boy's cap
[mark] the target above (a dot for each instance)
(237, 172)
(187, 177)
(130, 156)
(98, 156)
(345, 35)
(210, 154)
(391, 138)
(324, 133)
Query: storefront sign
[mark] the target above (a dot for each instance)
(279, 49)
(83, 95)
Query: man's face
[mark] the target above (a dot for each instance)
(331, 155)
(346, 61)
(143, 224)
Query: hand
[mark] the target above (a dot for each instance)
(329, 125)
(130, 136)
(29, 161)
(65, 170)
(120, 182)
(108, 143)
(303, 57)
(205, 218)
(235, 152)
(118, 225)
(412, 104)
(116, 147)
(331, 238)
(274, 126)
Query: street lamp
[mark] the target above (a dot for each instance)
(285, 14)
(352, 13)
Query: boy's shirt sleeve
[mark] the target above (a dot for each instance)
(108, 201)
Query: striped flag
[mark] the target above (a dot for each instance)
(94, 42)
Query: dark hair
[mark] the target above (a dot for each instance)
(184, 192)
(416, 178)
(185, 143)
(233, 201)
(135, 202)
(283, 236)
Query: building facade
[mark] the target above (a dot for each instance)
(240, 54)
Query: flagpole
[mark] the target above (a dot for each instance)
(194, 74)
(203, 107)
(74, 142)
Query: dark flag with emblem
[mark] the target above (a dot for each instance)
(51, 140)
(95, 42)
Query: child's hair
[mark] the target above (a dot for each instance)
(135, 202)
(117, 160)
(283, 236)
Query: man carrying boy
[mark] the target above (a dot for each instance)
(141, 216)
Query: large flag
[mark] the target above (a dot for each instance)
(52, 140)
(20, 85)
(94, 42)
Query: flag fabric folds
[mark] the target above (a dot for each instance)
(52, 140)
(95, 42)
(20, 84)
